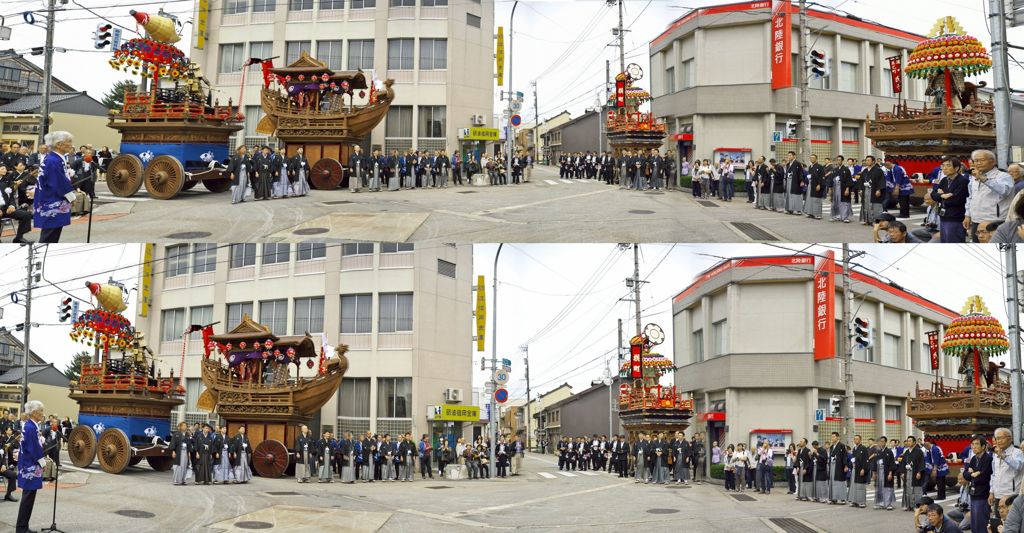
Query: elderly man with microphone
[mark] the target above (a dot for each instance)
(31, 459)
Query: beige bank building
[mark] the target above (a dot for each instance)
(405, 312)
(743, 339)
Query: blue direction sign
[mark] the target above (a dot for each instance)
(776, 136)
(501, 395)
(819, 415)
(507, 364)
(516, 120)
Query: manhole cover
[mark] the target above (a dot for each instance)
(338, 202)
(439, 487)
(792, 525)
(641, 212)
(754, 232)
(743, 498)
(310, 231)
(707, 203)
(662, 511)
(465, 192)
(132, 513)
(253, 524)
(189, 235)
(285, 493)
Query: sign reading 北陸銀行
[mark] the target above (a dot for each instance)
(781, 51)
(823, 307)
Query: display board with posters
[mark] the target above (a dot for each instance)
(739, 156)
(780, 439)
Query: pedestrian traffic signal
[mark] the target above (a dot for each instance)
(64, 310)
(862, 333)
(791, 128)
(817, 64)
(101, 37)
(833, 406)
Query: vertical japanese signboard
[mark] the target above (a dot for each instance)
(781, 46)
(481, 314)
(499, 56)
(896, 71)
(824, 308)
(933, 348)
(620, 93)
(147, 279)
(636, 360)
(204, 13)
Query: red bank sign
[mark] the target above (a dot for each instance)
(824, 307)
(781, 51)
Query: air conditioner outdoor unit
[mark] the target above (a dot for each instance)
(453, 395)
(477, 120)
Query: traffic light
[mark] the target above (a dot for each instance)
(791, 128)
(833, 406)
(862, 333)
(64, 310)
(817, 64)
(101, 37)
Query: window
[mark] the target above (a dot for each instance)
(331, 4)
(689, 74)
(821, 133)
(243, 255)
(274, 315)
(851, 134)
(204, 257)
(394, 397)
(300, 5)
(234, 7)
(293, 49)
(360, 53)
(201, 315)
(357, 248)
(893, 412)
(260, 6)
(395, 312)
(886, 82)
(446, 268)
(925, 358)
(177, 260)
(311, 250)
(262, 49)
(173, 322)
(403, 3)
(434, 3)
(276, 253)
(433, 54)
(718, 338)
(253, 115)
(863, 410)
(231, 57)
(356, 313)
(354, 397)
(432, 121)
(309, 315)
(236, 312)
(395, 247)
(361, 4)
(329, 52)
(472, 20)
(670, 80)
(891, 351)
(399, 121)
(400, 54)
(697, 345)
(849, 77)
(10, 74)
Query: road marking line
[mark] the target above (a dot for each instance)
(547, 475)
(449, 519)
(86, 470)
(570, 182)
(551, 182)
(540, 202)
(483, 510)
(567, 474)
(585, 473)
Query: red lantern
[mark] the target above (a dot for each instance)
(309, 363)
(362, 94)
(242, 345)
(268, 344)
(325, 77)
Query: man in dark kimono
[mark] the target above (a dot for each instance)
(915, 468)
(563, 454)
(805, 470)
(369, 451)
(763, 177)
(622, 461)
(778, 200)
(681, 450)
(816, 188)
(837, 465)
(640, 451)
(376, 166)
(883, 464)
(264, 171)
(861, 473)
(305, 455)
(874, 184)
(204, 445)
(326, 449)
(182, 449)
(795, 184)
(356, 169)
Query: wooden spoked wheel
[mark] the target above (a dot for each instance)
(218, 185)
(114, 451)
(164, 177)
(326, 174)
(136, 459)
(270, 458)
(82, 445)
(124, 175)
(160, 463)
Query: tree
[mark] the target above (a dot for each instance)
(74, 369)
(114, 99)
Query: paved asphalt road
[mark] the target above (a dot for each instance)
(547, 209)
(542, 498)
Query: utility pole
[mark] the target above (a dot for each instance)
(636, 286)
(526, 365)
(536, 126)
(609, 380)
(28, 318)
(619, 351)
(44, 125)
(1000, 77)
(509, 142)
(492, 425)
(1013, 328)
(804, 146)
(847, 410)
(622, 41)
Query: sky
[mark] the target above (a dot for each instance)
(544, 46)
(537, 281)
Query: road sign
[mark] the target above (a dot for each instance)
(777, 136)
(500, 377)
(506, 364)
(819, 415)
(501, 395)
(115, 40)
(516, 120)
(516, 106)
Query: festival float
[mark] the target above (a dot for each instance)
(956, 121)
(249, 381)
(644, 405)
(307, 105)
(950, 414)
(629, 128)
(174, 136)
(124, 403)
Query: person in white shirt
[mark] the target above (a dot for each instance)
(740, 464)
(1007, 466)
(765, 460)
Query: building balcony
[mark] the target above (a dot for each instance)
(357, 262)
(439, 12)
(434, 76)
(263, 17)
(401, 76)
(300, 16)
(401, 13)
(397, 260)
(361, 14)
(311, 266)
(241, 274)
(202, 279)
(232, 79)
(274, 270)
(237, 19)
(394, 341)
(357, 341)
(175, 282)
(331, 14)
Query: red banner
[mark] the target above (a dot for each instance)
(824, 307)
(896, 70)
(620, 93)
(933, 348)
(781, 51)
(636, 360)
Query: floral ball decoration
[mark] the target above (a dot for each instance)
(975, 331)
(954, 52)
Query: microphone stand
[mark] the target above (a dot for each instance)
(56, 479)
(92, 201)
